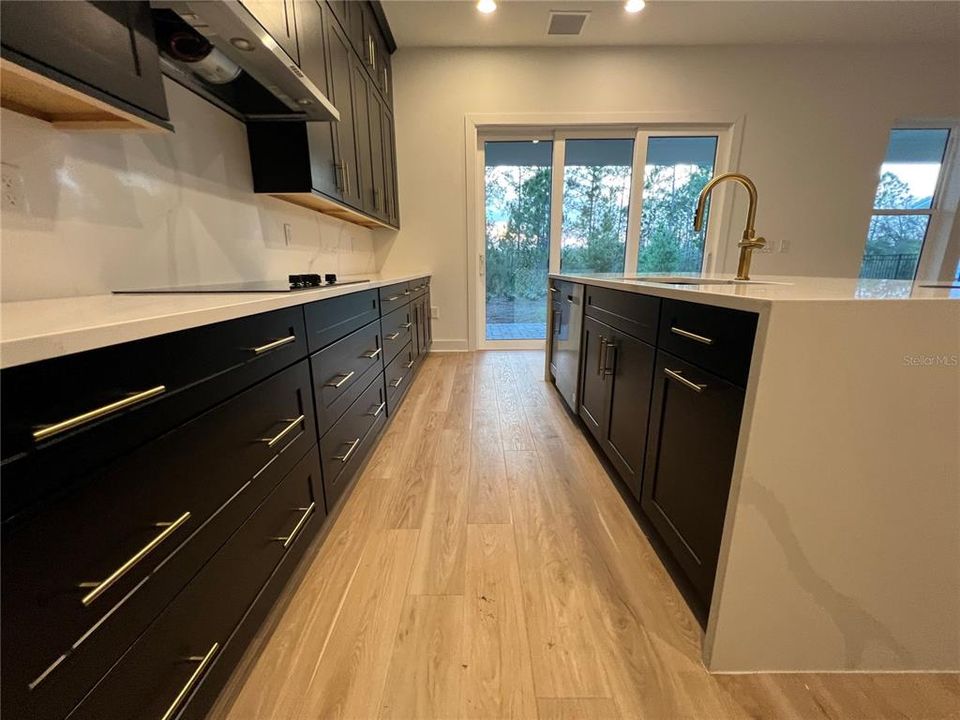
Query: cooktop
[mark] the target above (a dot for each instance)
(293, 284)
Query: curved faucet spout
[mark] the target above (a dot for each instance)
(750, 240)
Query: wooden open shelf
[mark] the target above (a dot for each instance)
(27, 92)
(332, 208)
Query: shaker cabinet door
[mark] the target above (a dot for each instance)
(629, 372)
(694, 423)
(594, 388)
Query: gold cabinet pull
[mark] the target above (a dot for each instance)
(676, 375)
(346, 456)
(379, 410)
(203, 662)
(292, 424)
(99, 588)
(49, 431)
(691, 336)
(373, 353)
(296, 528)
(343, 378)
(274, 345)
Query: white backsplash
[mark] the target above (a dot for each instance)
(108, 210)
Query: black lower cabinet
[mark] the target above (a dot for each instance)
(617, 377)
(692, 442)
(159, 675)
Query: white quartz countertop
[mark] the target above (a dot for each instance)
(763, 291)
(34, 330)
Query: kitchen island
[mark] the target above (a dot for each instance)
(838, 540)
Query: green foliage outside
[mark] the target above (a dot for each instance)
(895, 234)
(594, 223)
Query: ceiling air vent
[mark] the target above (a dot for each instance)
(567, 23)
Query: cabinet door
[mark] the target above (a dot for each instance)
(354, 26)
(594, 389)
(279, 19)
(108, 46)
(361, 122)
(378, 177)
(312, 41)
(629, 373)
(390, 169)
(428, 320)
(346, 171)
(694, 423)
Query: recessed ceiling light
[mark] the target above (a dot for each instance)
(634, 6)
(486, 6)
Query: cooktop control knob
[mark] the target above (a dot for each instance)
(331, 278)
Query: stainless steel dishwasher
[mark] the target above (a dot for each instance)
(566, 301)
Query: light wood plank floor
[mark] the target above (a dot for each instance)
(485, 567)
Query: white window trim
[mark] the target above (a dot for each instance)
(558, 127)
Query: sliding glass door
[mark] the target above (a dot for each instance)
(517, 185)
(567, 200)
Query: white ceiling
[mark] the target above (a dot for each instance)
(523, 23)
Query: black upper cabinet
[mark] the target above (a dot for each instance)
(694, 423)
(278, 18)
(351, 161)
(103, 49)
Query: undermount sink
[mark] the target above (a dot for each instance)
(691, 280)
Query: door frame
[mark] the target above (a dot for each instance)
(559, 126)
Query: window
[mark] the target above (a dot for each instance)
(905, 202)
(517, 181)
(676, 170)
(596, 200)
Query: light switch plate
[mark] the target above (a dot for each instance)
(434, 312)
(11, 182)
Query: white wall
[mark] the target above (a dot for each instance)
(117, 210)
(816, 125)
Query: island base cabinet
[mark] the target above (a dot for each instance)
(694, 424)
(615, 396)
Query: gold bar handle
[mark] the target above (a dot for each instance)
(379, 410)
(202, 663)
(342, 380)
(373, 353)
(49, 431)
(283, 433)
(346, 456)
(274, 345)
(296, 528)
(675, 374)
(99, 588)
(691, 336)
(393, 336)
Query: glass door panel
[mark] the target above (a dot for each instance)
(596, 200)
(517, 179)
(676, 169)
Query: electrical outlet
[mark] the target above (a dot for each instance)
(287, 234)
(11, 184)
(434, 312)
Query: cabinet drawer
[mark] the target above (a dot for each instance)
(420, 287)
(164, 381)
(634, 314)
(329, 320)
(717, 339)
(343, 370)
(344, 446)
(398, 375)
(691, 446)
(85, 575)
(197, 625)
(397, 332)
(394, 296)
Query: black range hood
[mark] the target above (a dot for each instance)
(218, 49)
